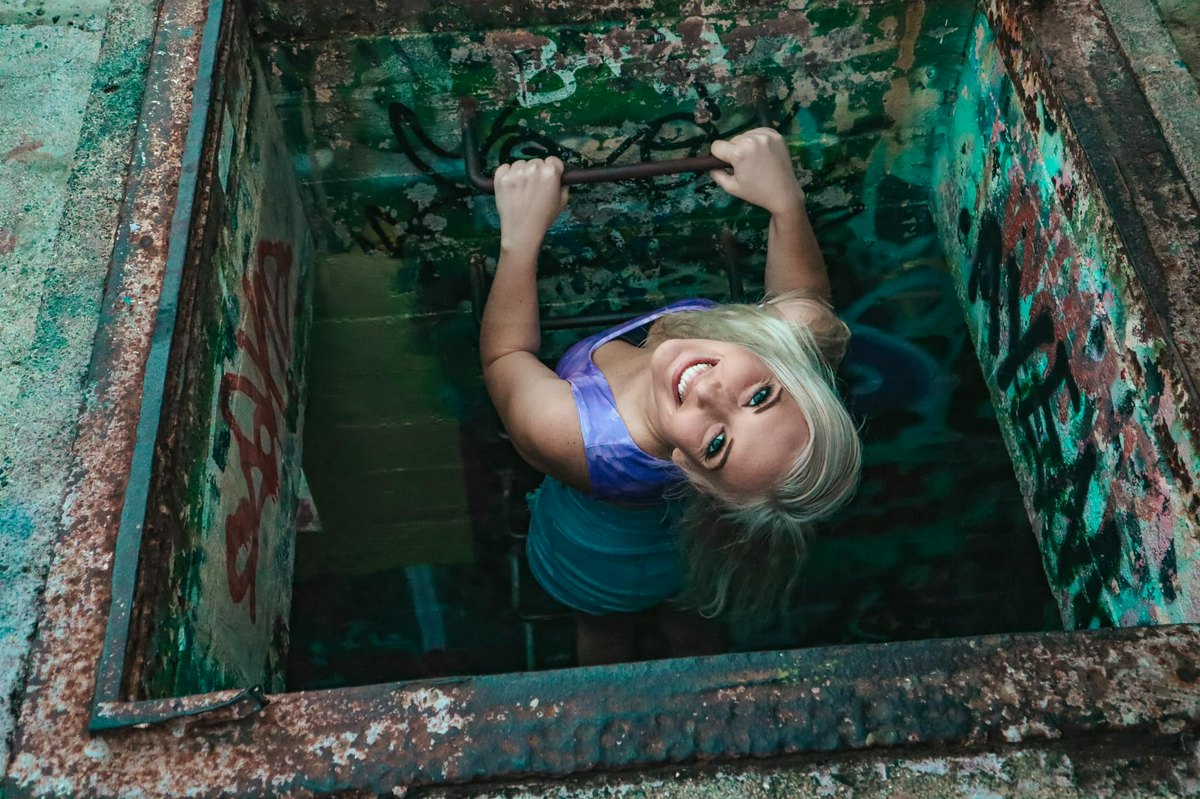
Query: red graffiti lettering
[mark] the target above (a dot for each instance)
(264, 339)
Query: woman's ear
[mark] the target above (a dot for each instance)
(696, 478)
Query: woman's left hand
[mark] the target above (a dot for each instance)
(762, 170)
(529, 197)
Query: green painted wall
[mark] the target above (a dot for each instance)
(1086, 391)
(221, 550)
(938, 543)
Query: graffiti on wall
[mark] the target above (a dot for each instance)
(855, 88)
(264, 381)
(1088, 409)
(860, 93)
(224, 621)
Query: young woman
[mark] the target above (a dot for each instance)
(735, 401)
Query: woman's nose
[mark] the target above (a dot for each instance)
(708, 390)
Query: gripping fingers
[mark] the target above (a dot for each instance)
(531, 173)
(529, 196)
(725, 150)
(761, 169)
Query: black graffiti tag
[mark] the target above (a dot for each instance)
(1079, 563)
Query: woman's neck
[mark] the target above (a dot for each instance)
(627, 370)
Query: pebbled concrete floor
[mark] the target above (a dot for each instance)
(51, 274)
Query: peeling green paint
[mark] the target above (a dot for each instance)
(228, 530)
(1088, 403)
(863, 95)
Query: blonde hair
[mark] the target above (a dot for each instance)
(743, 553)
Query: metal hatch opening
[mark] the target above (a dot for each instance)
(331, 310)
(326, 304)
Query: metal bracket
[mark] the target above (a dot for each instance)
(108, 716)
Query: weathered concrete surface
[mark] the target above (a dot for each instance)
(1162, 71)
(1046, 773)
(70, 87)
(44, 79)
(86, 14)
(1182, 18)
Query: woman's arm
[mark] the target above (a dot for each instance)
(762, 175)
(536, 406)
(528, 198)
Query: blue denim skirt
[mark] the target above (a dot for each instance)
(596, 557)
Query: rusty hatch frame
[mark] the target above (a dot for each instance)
(1141, 685)
(110, 708)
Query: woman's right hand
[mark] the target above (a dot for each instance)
(529, 197)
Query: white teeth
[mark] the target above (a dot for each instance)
(687, 376)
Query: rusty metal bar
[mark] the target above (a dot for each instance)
(111, 670)
(573, 176)
(1140, 683)
(108, 716)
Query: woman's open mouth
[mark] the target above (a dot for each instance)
(687, 375)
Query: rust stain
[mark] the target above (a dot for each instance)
(22, 150)
(8, 241)
(516, 41)
(742, 39)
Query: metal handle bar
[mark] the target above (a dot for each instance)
(572, 175)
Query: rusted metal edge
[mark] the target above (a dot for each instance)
(54, 713)
(574, 176)
(111, 668)
(1132, 170)
(986, 691)
(1165, 80)
(108, 716)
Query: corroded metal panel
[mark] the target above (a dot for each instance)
(1093, 401)
(1137, 683)
(215, 579)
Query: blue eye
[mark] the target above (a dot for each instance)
(715, 446)
(760, 396)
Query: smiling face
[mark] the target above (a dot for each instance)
(725, 416)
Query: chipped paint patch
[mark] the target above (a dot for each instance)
(438, 709)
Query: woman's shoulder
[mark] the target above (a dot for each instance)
(578, 359)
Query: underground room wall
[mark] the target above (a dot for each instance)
(400, 441)
(1093, 414)
(215, 573)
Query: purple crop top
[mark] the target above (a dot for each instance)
(618, 470)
